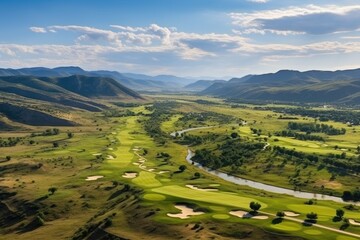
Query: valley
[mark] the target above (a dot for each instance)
(125, 176)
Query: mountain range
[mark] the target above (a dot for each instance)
(138, 82)
(293, 86)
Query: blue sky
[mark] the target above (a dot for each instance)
(212, 38)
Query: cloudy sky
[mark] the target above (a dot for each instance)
(214, 38)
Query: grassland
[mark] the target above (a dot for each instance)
(138, 207)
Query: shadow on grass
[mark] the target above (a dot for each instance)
(277, 220)
(308, 222)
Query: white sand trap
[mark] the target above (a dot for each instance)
(111, 149)
(186, 212)
(202, 189)
(135, 163)
(243, 214)
(97, 154)
(114, 133)
(262, 217)
(353, 222)
(110, 157)
(240, 214)
(291, 214)
(141, 161)
(343, 149)
(129, 175)
(151, 169)
(93, 178)
(162, 172)
(135, 149)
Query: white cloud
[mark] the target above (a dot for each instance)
(258, 1)
(38, 29)
(311, 19)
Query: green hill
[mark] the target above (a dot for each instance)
(293, 86)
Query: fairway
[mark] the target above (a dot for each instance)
(147, 180)
(222, 198)
(323, 212)
(287, 226)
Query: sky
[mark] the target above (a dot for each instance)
(199, 38)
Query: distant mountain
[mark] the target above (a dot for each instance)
(201, 85)
(162, 78)
(287, 85)
(138, 82)
(75, 91)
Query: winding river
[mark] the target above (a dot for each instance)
(254, 184)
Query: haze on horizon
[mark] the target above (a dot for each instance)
(213, 38)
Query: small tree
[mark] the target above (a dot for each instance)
(255, 206)
(8, 158)
(182, 168)
(311, 217)
(52, 190)
(340, 213)
(234, 135)
(197, 175)
(280, 214)
(55, 145)
(70, 135)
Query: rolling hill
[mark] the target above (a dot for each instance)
(293, 86)
(22, 96)
(201, 85)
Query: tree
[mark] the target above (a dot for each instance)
(280, 214)
(70, 135)
(255, 206)
(55, 145)
(311, 217)
(234, 135)
(8, 158)
(197, 175)
(52, 190)
(182, 168)
(340, 213)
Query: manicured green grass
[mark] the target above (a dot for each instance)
(223, 198)
(147, 180)
(287, 226)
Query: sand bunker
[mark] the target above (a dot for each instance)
(291, 214)
(111, 149)
(202, 189)
(129, 175)
(186, 212)
(93, 178)
(243, 214)
(97, 154)
(162, 172)
(261, 217)
(110, 157)
(353, 222)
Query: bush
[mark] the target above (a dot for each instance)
(182, 168)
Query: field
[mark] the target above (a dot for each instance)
(138, 207)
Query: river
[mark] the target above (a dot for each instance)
(257, 185)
